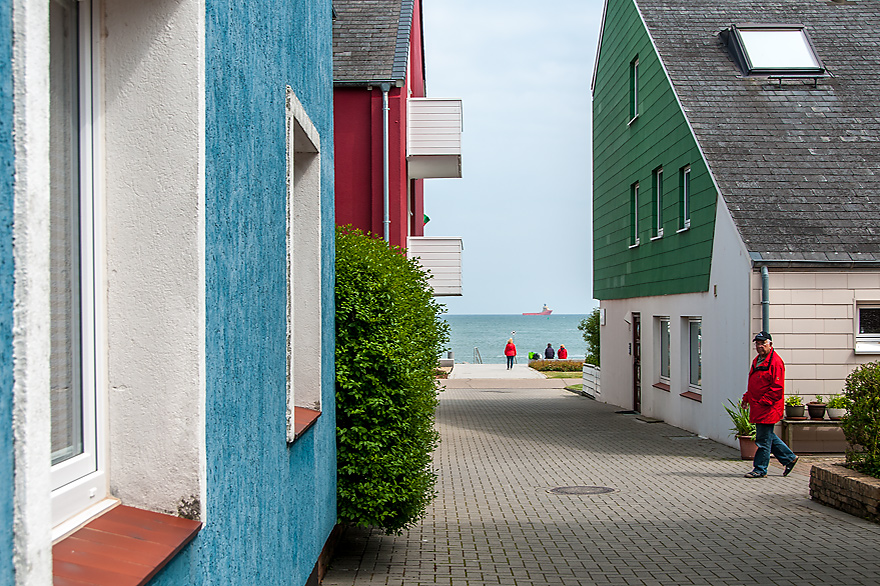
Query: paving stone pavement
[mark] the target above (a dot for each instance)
(680, 512)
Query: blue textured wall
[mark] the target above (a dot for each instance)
(270, 506)
(6, 292)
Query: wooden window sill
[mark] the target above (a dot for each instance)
(303, 419)
(662, 387)
(693, 396)
(123, 547)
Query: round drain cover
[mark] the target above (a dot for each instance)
(581, 490)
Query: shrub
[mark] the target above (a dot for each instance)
(590, 329)
(558, 365)
(388, 336)
(862, 425)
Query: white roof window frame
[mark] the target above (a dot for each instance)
(757, 56)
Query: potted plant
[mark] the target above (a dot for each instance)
(794, 407)
(742, 428)
(817, 408)
(836, 407)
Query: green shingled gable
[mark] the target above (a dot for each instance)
(624, 153)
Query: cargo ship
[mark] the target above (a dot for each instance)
(545, 311)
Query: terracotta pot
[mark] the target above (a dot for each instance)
(817, 410)
(794, 411)
(747, 447)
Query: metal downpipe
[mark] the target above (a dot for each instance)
(386, 197)
(765, 299)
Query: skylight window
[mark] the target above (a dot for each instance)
(778, 50)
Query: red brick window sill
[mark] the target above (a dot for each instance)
(303, 419)
(123, 547)
(693, 396)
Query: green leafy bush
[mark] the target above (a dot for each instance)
(862, 425)
(557, 365)
(590, 329)
(739, 417)
(388, 336)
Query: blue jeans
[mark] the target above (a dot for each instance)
(769, 443)
(510, 362)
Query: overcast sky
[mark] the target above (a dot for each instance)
(523, 70)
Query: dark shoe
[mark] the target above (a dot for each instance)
(790, 466)
(754, 474)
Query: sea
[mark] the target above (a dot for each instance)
(484, 336)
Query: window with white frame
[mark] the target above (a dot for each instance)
(77, 466)
(304, 340)
(634, 214)
(664, 361)
(657, 202)
(634, 89)
(684, 198)
(868, 328)
(695, 354)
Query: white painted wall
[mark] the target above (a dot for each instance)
(153, 190)
(726, 343)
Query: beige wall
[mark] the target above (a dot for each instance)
(813, 323)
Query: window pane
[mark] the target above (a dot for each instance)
(869, 320)
(696, 351)
(65, 381)
(778, 49)
(664, 348)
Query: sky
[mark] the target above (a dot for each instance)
(523, 205)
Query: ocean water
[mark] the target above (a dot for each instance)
(489, 333)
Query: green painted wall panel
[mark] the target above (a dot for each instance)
(625, 153)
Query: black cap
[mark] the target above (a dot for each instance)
(761, 336)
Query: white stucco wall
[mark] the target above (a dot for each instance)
(726, 343)
(153, 198)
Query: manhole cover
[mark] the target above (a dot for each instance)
(581, 490)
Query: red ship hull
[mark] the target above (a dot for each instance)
(545, 312)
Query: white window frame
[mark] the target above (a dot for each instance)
(304, 331)
(698, 387)
(634, 90)
(865, 343)
(634, 214)
(685, 198)
(667, 359)
(81, 482)
(658, 203)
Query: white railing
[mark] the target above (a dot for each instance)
(591, 380)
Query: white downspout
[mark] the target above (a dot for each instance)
(386, 218)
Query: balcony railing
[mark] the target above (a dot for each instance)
(442, 256)
(434, 138)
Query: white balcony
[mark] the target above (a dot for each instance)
(442, 256)
(433, 146)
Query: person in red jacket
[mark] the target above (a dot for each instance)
(562, 353)
(765, 398)
(510, 352)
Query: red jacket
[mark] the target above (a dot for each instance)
(766, 392)
(509, 350)
(562, 354)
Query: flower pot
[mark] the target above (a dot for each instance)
(794, 411)
(817, 410)
(747, 447)
(835, 414)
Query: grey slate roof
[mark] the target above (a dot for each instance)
(798, 166)
(371, 40)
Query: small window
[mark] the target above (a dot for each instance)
(779, 50)
(657, 202)
(695, 353)
(868, 329)
(664, 349)
(684, 198)
(634, 214)
(634, 89)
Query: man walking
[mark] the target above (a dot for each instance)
(766, 400)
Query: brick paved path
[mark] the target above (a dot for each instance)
(680, 512)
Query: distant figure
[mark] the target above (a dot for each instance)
(549, 353)
(510, 352)
(563, 353)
